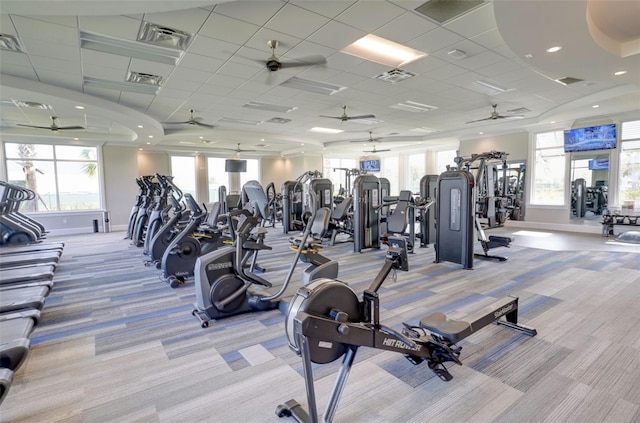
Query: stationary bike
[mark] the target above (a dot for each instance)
(223, 282)
(326, 321)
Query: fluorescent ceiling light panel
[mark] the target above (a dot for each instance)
(412, 106)
(32, 105)
(492, 86)
(128, 48)
(269, 106)
(121, 86)
(312, 86)
(10, 42)
(379, 50)
(366, 121)
(321, 130)
(240, 121)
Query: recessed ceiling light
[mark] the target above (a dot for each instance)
(201, 138)
(321, 130)
(480, 133)
(140, 126)
(150, 136)
(261, 139)
(554, 49)
(622, 72)
(595, 106)
(148, 143)
(553, 121)
(380, 50)
(80, 107)
(76, 139)
(528, 56)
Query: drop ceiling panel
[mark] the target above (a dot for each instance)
(330, 9)
(6, 25)
(489, 39)
(103, 72)
(114, 26)
(48, 63)
(228, 29)
(36, 30)
(425, 65)
(153, 68)
(369, 15)
(56, 51)
(239, 70)
(336, 35)
(184, 85)
(405, 27)
(298, 22)
(475, 22)
(499, 68)
(102, 93)
(210, 47)
(139, 101)
(107, 60)
(199, 62)
(481, 60)
(256, 12)
(192, 75)
(343, 62)
(285, 41)
(435, 40)
(26, 72)
(445, 72)
(14, 58)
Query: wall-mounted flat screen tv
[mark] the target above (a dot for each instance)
(235, 165)
(372, 165)
(602, 137)
(598, 164)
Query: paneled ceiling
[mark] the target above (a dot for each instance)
(493, 54)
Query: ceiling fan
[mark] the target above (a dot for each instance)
(495, 115)
(375, 151)
(54, 126)
(192, 121)
(370, 139)
(274, 64)
(344, 117)
(238, 150)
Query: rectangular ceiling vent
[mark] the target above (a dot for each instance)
(443, 11)
(240, 121)
(312, 86)
(567, 80)
(10, 42)
(31, 105)
(129, 48)
(144, 78)
(413, 106)
(269, 106)
(164, 36)
(278, 120)
(394, 75)
(519, 110)
(106, 84)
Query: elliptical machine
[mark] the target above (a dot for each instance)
(223, 284)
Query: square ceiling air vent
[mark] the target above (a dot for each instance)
(10, 42)
(394, 75)
(567, 80)
(164, 36)
(31, 105)
(144, 78)
(278, 120)
(443, 11)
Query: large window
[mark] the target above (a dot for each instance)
(63, 177)
(252, 173)
(629, 179)
(548, 174)
(390, 169)
(444, 159)
(416, 171)
(183, 169)
(217, 177)
(334, 169)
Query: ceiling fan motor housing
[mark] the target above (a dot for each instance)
(273, 65)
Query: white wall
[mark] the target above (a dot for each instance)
(516, 145)
(120, 169)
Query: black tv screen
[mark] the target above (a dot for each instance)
(235, 165)
(598, 164)
(372, 165)
(602, 137)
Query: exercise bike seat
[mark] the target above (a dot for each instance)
(440, 324)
